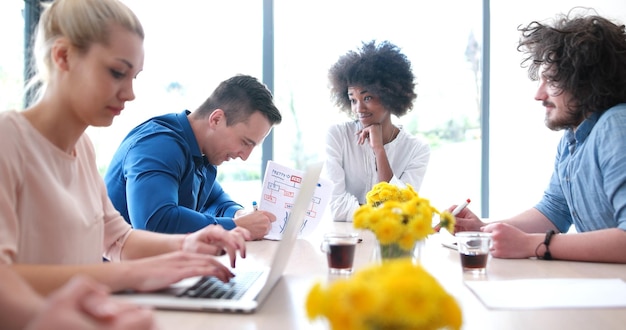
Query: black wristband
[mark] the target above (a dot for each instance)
(547, 255)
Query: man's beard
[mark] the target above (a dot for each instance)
(570, 120)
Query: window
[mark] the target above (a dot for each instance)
(444, 48)
(12, 55)
(187, 56)
(193, 45)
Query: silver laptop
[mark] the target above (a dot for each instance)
(249, 288)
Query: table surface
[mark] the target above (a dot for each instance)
(284, 308)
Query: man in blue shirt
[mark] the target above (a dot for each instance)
(580, 62)
(162, 178)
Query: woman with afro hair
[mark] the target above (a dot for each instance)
(369, 85)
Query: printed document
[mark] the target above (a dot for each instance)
(280, 187)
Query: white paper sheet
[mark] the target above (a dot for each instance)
(550, 293)
(280, 187)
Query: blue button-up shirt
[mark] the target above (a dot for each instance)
(159, 180)
(588, 185)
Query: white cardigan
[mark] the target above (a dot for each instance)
(352, 167)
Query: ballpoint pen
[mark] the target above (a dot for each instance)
(255, 206)
(460, 207)
(454, 212)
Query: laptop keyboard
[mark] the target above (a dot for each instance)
(211, 287)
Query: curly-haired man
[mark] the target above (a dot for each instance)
(580, 62)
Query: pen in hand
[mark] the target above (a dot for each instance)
(460, 208)
(454, 212)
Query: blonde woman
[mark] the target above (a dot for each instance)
(56, 220)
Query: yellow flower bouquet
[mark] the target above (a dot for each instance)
(399, 218)
(394, 295)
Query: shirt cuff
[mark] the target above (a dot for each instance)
(227, 223)
(114, 252)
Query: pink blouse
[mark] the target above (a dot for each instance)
(54, 208)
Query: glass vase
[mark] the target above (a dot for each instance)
(386, 252)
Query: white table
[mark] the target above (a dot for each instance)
(284, 308)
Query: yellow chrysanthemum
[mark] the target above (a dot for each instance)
(408, 193)
(315, 302)
(383, 192)
(419, 227)
(447, 221)
(407, 242)
(394, 295)
(397, 215)
(388, 231)
(361, 217)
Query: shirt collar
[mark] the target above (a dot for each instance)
(583, 130)
(190, 137)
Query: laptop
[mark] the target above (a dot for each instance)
(250, 287)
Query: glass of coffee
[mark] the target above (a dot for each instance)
(474, 250)
(339, 249)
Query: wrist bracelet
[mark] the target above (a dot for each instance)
(547, 255)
